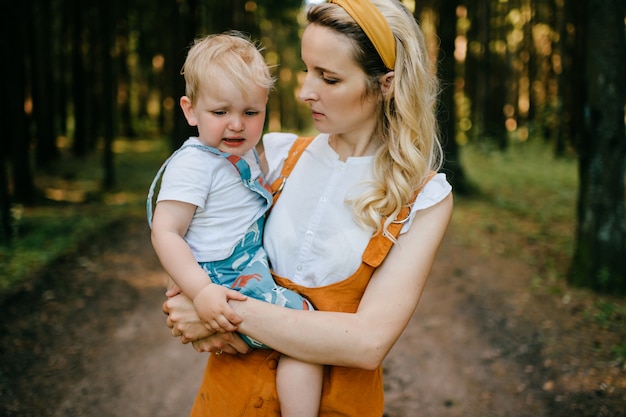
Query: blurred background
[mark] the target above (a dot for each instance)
(531, 115)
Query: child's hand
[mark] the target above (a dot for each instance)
(172, 289)
(211, 303)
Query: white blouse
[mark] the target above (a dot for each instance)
(311, 236)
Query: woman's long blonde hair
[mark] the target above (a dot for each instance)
(407, 125)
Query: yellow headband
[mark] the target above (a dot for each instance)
(375, 26)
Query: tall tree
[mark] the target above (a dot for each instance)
(106, 29)
(572, 47)
(446, 109)
(498, 73)
(11, 107)
(42, 85)
(79, 78)
(477, 64)
(564, 136)
(124, 79)
(185, 25)
(527, 59)
(18, 82)
(601, 234)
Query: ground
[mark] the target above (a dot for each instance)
(87, 338)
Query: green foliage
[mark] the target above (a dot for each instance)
(525, 206)
(57, 228)
(42, 235)
(611, 317)
(526, 179)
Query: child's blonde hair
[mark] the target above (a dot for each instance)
(230, 55)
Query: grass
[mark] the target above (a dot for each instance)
(75, 209)
(526, 205)
(611, 316)
(526, 208)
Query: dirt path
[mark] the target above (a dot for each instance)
(442, 366)
(110, 354)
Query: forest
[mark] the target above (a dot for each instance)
(83, 76)
(524, 313)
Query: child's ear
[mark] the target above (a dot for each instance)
(386, 82)
(188, 110)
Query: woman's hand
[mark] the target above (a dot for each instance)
(185, 323)
(222, 343)
(183, 319)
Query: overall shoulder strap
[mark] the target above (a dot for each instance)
(150, 203)
(295, 152)
(237, 162)
(380, 244)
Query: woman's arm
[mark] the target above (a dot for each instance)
(364, 338)
(360, 339)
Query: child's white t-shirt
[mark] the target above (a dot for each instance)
(225, 207)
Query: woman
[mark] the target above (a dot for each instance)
(345, 229)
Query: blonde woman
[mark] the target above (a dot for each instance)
(357, 224)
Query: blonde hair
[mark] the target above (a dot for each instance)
(224, 55)
(407, 124)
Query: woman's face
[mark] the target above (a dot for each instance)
(334, 86)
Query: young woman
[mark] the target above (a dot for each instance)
(347, 230)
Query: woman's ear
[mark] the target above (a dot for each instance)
(188, 111)
(386, 82)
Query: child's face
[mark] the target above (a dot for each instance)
(226, 119)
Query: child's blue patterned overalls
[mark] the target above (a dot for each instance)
(247, 269)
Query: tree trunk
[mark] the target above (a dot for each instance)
(19, 138)
(565, 86)
(477, 68)
(10, 108)
(572, 95)
(106, 28)
(601, 236)
(43, 86)
(498, 77)
(185, 23)
(446, 107)
(79, 97)
(124, 80)
(528, 61)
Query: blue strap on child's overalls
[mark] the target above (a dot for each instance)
(259, 185)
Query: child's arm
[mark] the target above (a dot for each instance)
(172, 288)
(169, 225)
